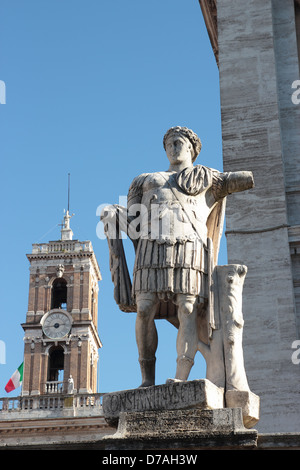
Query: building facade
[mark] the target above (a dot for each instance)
(257, 46)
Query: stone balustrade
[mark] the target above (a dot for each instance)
(61, 246)
(54, 387)
(53, 404)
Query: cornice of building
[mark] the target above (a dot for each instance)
(209, 11)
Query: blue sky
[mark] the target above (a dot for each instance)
(91, 88)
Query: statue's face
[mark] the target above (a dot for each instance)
(178, 149)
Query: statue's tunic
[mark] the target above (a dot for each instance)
(171, 253)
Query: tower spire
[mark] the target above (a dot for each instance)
(66, 232)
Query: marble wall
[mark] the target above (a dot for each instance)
(258, 62)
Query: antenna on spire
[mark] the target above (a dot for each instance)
(68, 192)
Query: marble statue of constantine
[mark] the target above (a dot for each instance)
(175, 219)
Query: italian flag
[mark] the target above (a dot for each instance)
(15, 380)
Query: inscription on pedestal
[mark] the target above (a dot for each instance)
(201, 394)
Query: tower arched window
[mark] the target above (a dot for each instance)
(59, 294)
(56, 364)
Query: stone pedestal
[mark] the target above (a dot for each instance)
(182, 429)
(200, 394)
(185, 415)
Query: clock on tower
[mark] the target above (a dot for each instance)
(56, 324)
(61, 338)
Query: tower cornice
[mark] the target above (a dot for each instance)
(65, 249)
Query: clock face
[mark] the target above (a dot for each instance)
(56, 325)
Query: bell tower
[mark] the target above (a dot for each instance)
(61, 341)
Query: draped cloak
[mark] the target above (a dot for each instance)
(180, 262)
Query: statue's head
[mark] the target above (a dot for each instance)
(187, 134)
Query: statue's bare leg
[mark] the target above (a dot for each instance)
(146, 336)
(187, 338)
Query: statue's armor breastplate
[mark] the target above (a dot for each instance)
(164, 217)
